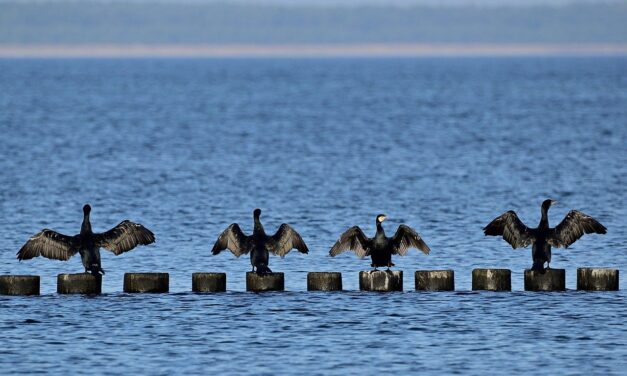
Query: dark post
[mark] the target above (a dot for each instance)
(19, 285)
(381, 280)
(265, 282)
(492, 279)
(597, 279)
(209, 282)
(146, 282)
(81, 283)
(549, 280)
(435, 280)
(324, 281)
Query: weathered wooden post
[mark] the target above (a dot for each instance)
(146, 282)
(80, 283)
(492, 279)
(324, 281)
(209, 282)
(265, 282)
(435, 280)
(549, 280)
(381, 280)
(597, 279)
(19, 285)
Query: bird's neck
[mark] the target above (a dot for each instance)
(380, 230)
(258, 229)
(86, 226)
(544, 220)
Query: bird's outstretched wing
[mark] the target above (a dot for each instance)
(234, 240)
(406, 238)
(286, 239)
(124, 237)
(49, 244)
(572, 227)
(352, 239)
(511, 228)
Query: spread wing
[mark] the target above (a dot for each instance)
(572, 227)
(234, 240)
(49, 244)
(406, 238)
(124, 237)
(512, 229)
(285, 240)
(351, 240)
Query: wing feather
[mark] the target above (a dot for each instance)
(234, 240)
(354, 240)
(406, 238)
(49, 244)
(124, 237)
(286, 239)
(512, 229)
(573, 227)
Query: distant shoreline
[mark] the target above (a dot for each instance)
(308, 50)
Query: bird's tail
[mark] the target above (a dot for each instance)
(263, 269)
(539, 267)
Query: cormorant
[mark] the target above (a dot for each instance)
(572, 227)
(259, 244)
(380, 248)
(53, 245)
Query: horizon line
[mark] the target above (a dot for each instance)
(310, 50)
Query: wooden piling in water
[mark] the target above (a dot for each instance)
(208, 282)
(265, 282)
(597, 279)
(549, 280)
(80, 283)
(492, 279)
(146, 282)
(435, 280)
(381, 280)
(324, 281)
(19, 285)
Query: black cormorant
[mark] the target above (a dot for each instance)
(572, 227)
(259, 244)
(53, 245)
(380, 248)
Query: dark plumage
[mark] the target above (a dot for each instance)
(51, 244)
(380, 248)
(574, 225)
(259, 245)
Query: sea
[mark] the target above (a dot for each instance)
(188, 146)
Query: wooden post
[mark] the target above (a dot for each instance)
(324, 281)
(146, 282)
(81, 283)
(19, 285)
(597, 279)
(265, 282)
(435, 280)
(381, 280)
(209, 282)
(549, 280)
(492, 279)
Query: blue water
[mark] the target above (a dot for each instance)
(187, 147)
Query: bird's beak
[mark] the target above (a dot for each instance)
(383, 218)
(553, 202)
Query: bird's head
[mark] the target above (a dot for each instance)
(86, 209)
(381, 218)
(548, 203)
(257, 213)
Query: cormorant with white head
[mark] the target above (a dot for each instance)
(572, 227)
(259, 245)
(53, 245)
(380, 248)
